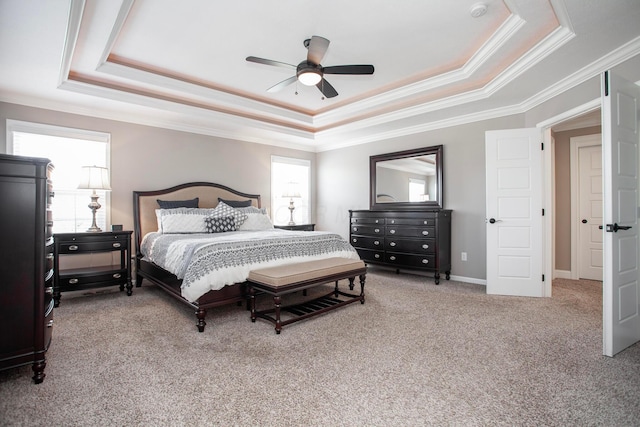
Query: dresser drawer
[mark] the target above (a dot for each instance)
(412, 221)
(401, 231)
(370, 230)
(367, 220)
(367, 242)
(70, 280)
(422, 246)
(370, 255)
(76, 247)
(415, 261)
(48, 323)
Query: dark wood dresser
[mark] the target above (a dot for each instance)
(26, 264)
(416, 239)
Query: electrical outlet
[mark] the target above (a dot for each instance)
(463, 256)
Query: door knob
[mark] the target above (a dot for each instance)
(584, 221)
(615, 227)
(493, 220)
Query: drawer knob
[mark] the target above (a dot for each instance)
(376, 256)
(73, 247)
(425, 261)
(48, 290)
(377, 221)
(425, 222)
(116, 245)
(354, 240)
(117, 275)
(73, 281)
(49, 256)
(377, 230)
(392, 231)
(425, 233)
(392, 258)
(52, 194)
(393, 221)
(355, 228)
(425, 246)
(50, 324)
(376, 242)
(392, 244)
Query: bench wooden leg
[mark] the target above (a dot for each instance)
(362, 279)
(276, 302)
(351, 279)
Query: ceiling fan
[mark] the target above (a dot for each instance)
(310, 72)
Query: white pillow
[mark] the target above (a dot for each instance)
(182, 220)
(256, 222)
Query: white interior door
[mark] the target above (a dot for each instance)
(514, 212)
(621, 137)
(590, 210)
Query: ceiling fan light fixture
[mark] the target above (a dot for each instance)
(309, 77)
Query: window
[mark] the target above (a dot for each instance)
(417, 191)
(290, 181)
(69, 150)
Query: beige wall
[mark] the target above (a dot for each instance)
(147, 158)
(563, 194)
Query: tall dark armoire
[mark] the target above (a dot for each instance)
(26, 262)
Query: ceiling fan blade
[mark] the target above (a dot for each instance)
(270, 62)
(317, 48)
(327, 90)
(349, 69)
(278, 87)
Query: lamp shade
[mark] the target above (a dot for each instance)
(94, 178)
(291, 190)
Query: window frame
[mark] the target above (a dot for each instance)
(71, 133)
(307, 204)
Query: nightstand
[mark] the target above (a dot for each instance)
(297, 227)
(70, 244)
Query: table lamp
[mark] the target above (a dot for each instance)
(94, 178)
(291, 192)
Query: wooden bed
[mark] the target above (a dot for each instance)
(144, 216)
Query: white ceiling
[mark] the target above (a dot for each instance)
(181, 65)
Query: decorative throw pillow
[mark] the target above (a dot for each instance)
(223, 210)
(252, 210)
(182, 220)
(172, 204)
(220, 224)
(236, 203)
(256, 222)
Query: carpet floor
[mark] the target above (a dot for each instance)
(414, 354)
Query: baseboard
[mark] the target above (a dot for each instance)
(562, 274)
(469, 280)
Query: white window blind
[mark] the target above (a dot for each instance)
(69, 150)
(290, 176)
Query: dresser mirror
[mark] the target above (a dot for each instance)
(407, 179)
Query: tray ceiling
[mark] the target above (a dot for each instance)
(182, 65)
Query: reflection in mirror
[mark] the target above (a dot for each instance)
(410, 179)
(407, 179)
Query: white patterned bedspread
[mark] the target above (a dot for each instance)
(207, 262)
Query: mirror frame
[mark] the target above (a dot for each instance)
(433, 204)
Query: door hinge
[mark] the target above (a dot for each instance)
(542, 212)
(606, 83)
(543, 277)
(542, 146)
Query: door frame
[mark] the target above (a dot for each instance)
(549, 176)
(576, 143)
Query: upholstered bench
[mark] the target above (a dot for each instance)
(285, 279)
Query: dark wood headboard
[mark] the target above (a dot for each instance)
(145, 203)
